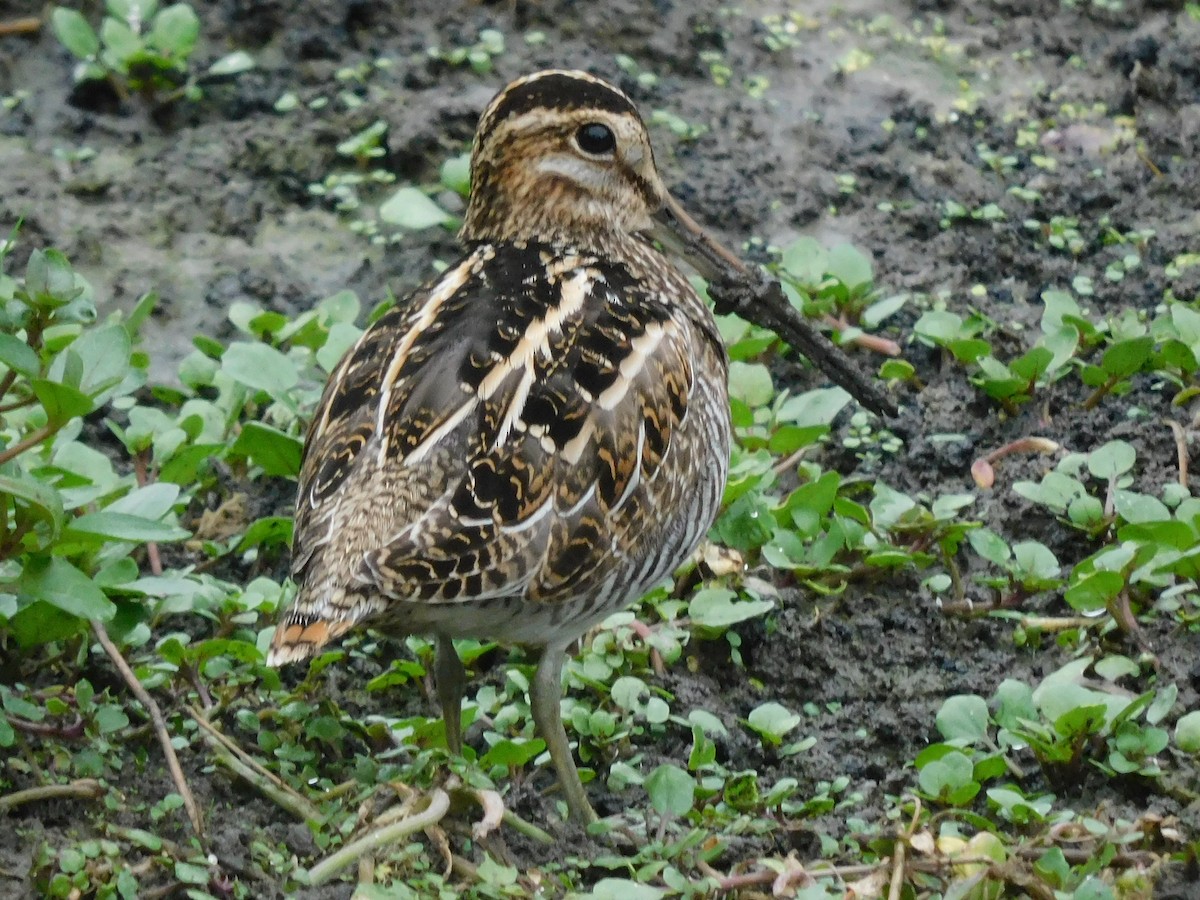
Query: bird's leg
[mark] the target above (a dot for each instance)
(545, 699)
(451, 679)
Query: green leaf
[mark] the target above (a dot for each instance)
(883, 309)
(963, 718)
(278, 453)
(456, 173)
(623, 889)
(989, 545)
(268, 531)
(897, 369)
(57, 582)
(19, 356)
(751, 383)
(1031, 366)
(719, 608)
(104, 353)
(1125, 357)
(189, 873)
(121, 44)
(1092, 592)
(260, 367)
(175, 31)
(50, 280)
(132, 11)
(849, 265)
(231, 64)
(110, 719)
(805, 260)
(75, 33)
(772, 721)
(810, 503)
(672, 790)
(511, 754)
(150, 502)
(1138, 508)
(1111, 460)
(61, 402)
(819, 406)
(950, 778)
(410, 208)
(117, 526)
(39, 498)
(341, 338)
(1187, 732)
(1035, 559)
(1093, 889)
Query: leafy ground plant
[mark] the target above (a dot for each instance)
(142, 49)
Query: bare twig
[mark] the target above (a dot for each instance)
(23, 25)
(80, 789)
(71, 732)
(435, 809)
(159, 723)
(34, 438)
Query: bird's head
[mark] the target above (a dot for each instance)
(561, 154)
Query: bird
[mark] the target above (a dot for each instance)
(539, 435)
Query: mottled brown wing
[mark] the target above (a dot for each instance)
(388, 397)
(576, 394)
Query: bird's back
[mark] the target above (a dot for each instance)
(518, 449)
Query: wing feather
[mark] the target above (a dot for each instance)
(496, 435)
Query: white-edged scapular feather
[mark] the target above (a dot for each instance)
(448, 285)
(631, 366)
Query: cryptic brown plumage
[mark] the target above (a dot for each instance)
(537, 437)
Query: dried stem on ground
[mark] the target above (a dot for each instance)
(438, 803)
(159, 723)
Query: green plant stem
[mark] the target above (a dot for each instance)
(286, 800)
(17, 404)
(234, 758)
(7, 382)
(34, 438)
(1099, 393)
(81, 789)
(437, 806)
(531, 831)
(897, 882)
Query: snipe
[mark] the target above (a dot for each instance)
(535, 438)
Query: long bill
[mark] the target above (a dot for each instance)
(749, 292)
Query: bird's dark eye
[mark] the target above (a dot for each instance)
(596, 139)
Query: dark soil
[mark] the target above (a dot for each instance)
(207, 204)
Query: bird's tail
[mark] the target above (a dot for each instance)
(309, 625)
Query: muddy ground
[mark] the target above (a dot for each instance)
(208, 203)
